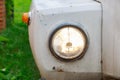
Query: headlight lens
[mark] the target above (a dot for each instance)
(68, 42)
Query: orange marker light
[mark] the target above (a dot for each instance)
(25, 18)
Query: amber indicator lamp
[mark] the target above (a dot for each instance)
(25, 18)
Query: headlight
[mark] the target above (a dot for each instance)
(68, 43)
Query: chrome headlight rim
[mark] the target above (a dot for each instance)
(79, 27)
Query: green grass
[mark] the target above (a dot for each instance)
(16, 60)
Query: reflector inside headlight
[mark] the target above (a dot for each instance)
(68, 42)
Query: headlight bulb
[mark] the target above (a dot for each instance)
(68, 43)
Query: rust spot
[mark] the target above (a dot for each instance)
(58, 69)
(101, 62)
(53, 68)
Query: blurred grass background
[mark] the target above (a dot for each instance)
(16, 60)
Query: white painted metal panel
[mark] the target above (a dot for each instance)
(45, 18)
(111, 37)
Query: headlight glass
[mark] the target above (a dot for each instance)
(68, 42)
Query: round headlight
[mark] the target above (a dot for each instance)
(68, 43)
